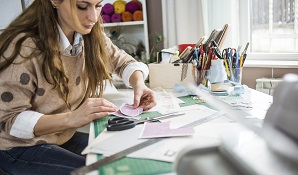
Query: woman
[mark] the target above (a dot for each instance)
(53, 60)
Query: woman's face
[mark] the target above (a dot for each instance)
(88, 12)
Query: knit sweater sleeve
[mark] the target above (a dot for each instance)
(17, 88)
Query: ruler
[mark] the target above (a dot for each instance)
(85, 169)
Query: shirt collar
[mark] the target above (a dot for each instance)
(66, 47)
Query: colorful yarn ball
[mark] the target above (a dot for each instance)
(132, 6)
(126, 16)
(137, 15)
(116, 18)
(139, 3)
(108, 9)
(119, 7)
(106, 18)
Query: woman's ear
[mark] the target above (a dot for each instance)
(54, 3)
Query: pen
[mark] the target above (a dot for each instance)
(237, 68)
(230, 61)
(227, 68)
(241, 60)
(244, 54)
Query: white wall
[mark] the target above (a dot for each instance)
(9, 9)
(27, 2)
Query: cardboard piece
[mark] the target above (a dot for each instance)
(167, 75)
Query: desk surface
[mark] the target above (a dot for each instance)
(260, 104)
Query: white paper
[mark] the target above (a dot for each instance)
(118, 142)
(109, 143)
(206, 135)
(166, 102)
(192, 113)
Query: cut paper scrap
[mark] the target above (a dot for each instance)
(128, 111)
(153, 130)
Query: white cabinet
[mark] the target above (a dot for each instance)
(131, 32)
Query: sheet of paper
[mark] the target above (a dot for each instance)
(100, 138)
(127, 138)
(192, 113)
(156, 129)
(166, 102)
(118, 142)
(206, 135)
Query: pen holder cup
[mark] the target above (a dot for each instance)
(235, 75)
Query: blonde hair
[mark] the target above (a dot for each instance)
(39, 22)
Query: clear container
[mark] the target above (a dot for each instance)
(217, 72)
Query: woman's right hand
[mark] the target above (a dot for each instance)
(91, 109)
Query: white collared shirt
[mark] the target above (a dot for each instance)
(66, 48)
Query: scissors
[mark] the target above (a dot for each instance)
(121, 123)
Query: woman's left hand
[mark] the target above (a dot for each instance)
(144, 97)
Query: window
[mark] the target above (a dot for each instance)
(272, 29)
(273, 26)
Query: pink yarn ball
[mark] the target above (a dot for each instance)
(106, 18)
(108, 9)
(132, 6)
(116, 18)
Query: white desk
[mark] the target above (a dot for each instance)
(260, 104)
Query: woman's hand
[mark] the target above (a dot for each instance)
(143, 96)
(91, 109)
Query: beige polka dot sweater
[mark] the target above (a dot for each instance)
(24, 87)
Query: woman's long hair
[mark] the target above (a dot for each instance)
(39, 22)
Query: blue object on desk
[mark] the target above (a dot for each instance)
(238, 89)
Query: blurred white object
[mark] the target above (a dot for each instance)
(282, 114)
(167, 54)
(272, 149)
(217, 72)
(267, 85)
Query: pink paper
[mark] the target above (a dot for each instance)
(156, 129)
(128, 111)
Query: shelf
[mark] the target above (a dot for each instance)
(131, 23)
(133, 32)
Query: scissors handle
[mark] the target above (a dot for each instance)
(119, 124)
(117, 120)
